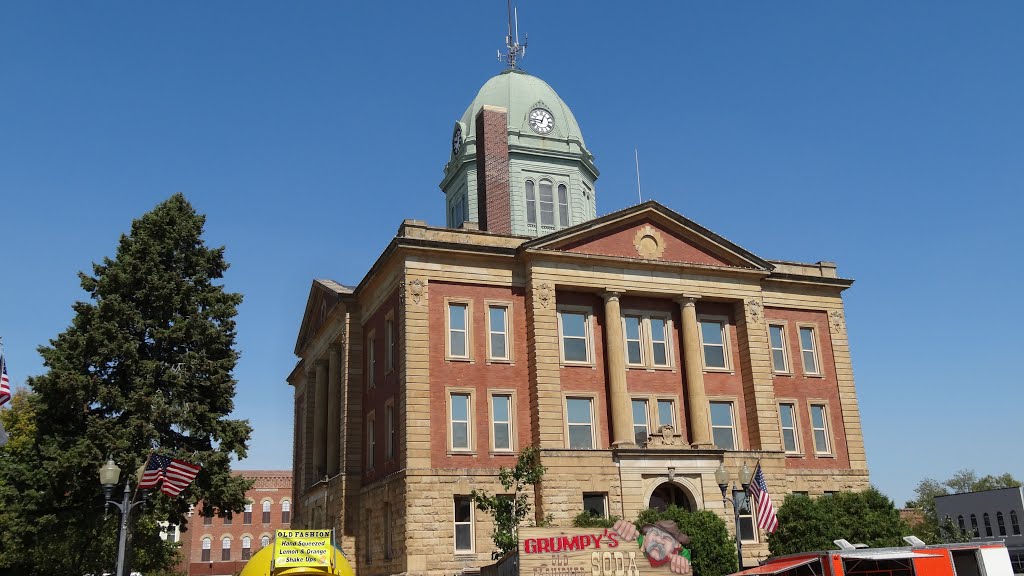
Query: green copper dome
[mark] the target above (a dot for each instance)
(519, 93)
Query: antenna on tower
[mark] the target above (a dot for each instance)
(636, 156)
(514, 50)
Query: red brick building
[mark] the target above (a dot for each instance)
(214, 546)
(639, 351)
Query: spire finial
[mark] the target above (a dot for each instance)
(513, 49)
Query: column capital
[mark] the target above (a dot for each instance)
(320, 363)
(685, 300)
(611, 295)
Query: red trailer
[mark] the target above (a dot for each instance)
(965, 559)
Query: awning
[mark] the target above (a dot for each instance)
(884, 555)
(776, 567)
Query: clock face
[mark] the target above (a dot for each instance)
(541, 121)
(457, 141)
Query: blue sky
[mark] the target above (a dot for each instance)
(886, 137)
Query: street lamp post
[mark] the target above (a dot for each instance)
(740, 502)
(109, 475)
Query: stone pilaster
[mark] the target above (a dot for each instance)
(333, 409)
(320, 421)
(758, 388)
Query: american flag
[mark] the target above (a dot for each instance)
(5, 382)
(176, 474)
(766, 518)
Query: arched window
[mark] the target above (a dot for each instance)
(988, 524)
(531, 203)
(247, 515)
(206, 549)
(266, 511)
(547, 204)
(563, 205)
(1000, 524)
(974, 526)
(264, 541)
(286, 512)
(1013, 523)
(246, 547)
(225, 548)
(960, 521)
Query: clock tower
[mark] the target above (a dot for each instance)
(518, 163)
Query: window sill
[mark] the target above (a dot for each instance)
(566, 364)
(824, 455)
(502, 453)
(461, 452)
(799, 455)
(814, 375)
(454, 359)
(500, 361)
(786, 374)
(650, 368)
(465, 555)
(719, 370)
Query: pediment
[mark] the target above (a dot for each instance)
(650, 231)
(324, 296)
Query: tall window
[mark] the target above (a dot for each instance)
(580, 420)
(458, 330)
(722, 428)
(264, 541)
(371, 441)
(746, 520)
(225, 548)
(807, 350)
(501, 425)
(777, 342)
(266, 512)
(712, 339)
(286, 511)
(497, 330)
(960, 521)
(246, 547)
(531, 203)
(389, 343)
(463, 524)
(227, 519)
(389, 431)
(787, 419)
(634, 342)
(640, 422)
(999, 523)
(974, 526)
(206, 550)
(659, 341)
(575, 328)
(207, 516)
(988, 524)
(667, 414)
(819, 428)
(547, 204)
(247, 514)
(1013, 523)
(459, 416)
(563, 206)
(371, 360)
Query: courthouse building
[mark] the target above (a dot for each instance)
(637, 349)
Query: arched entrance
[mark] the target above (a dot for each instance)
(667, 494)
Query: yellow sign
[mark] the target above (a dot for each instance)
(307, 548)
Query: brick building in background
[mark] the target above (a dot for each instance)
(638, 350)
(214, 546)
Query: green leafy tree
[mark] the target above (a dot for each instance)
(935, 530)
(509, 511)
(712, 550)
(867, 517)
(587, 520)
(145, 364)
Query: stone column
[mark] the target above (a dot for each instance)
(320, 421)
(333, 409)
(618, 395)
(696, 399)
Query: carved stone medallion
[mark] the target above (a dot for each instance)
(755, 311)
(836, 321)
(416, 289)
(649, 242)
(544, 294)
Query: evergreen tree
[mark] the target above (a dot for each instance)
(145, 365)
